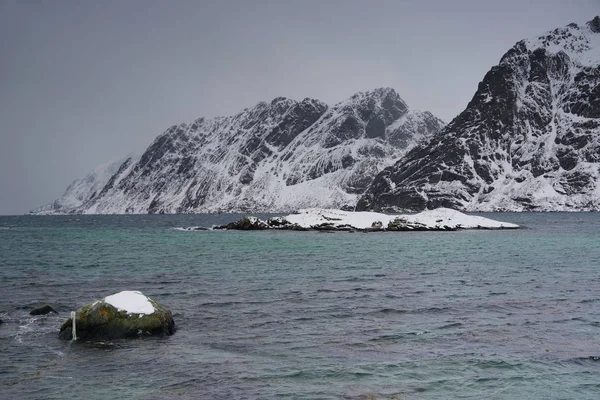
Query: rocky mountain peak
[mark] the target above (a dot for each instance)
(594, 24)
(580, 43)
(384, 100)
(528, 140)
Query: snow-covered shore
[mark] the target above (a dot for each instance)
(328, 219)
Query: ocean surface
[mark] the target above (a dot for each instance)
(306, 315)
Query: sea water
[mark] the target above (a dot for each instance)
(306, 315)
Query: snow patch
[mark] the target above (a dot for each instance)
(434, 219)
(132, 302)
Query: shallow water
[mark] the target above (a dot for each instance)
(406, 315)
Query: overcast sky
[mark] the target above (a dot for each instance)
(84, 82)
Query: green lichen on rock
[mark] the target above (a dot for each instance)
(99, 320)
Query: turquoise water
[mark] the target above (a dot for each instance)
(307, 315)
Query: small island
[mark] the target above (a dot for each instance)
(440, 219)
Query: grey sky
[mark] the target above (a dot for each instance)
(85, 82)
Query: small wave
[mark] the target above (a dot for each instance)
(316, 374)
(223, 304)
(430, 310)
(427, 310)
(327, 291)
(102, 345)
(593, 360)
(364, 296)
(396, 337)
(25, 329)
(497, 364)
(564, 320)
(342, 315)
(262, 324)
(191, 228)
(391, 311)
(451, 325)
(232, 303)
(351, 279)
(186, 383)
(301, 319)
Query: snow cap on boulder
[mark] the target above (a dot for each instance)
(121, 315)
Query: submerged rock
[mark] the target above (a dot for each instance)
(46, 309)
(122, 315)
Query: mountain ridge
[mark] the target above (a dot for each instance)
(275, 156)
(529, 140)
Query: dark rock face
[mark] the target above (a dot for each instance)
(46, 309)
(276, 156)
(100, 321)
(255, 224)
(528, 140)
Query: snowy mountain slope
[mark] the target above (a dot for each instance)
(84, 189)
(277, 156)
(528, 140)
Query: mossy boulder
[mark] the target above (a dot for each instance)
(101, 320)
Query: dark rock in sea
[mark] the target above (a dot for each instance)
(245, 224)
(255, 224)
(101, 320)
(46, 309)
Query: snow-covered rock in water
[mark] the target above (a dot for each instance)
(324, 219)
(274, 157)
(528, 140)
(85, 189)
(121, 315)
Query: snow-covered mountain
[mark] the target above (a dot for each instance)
(528, 140)
(277, 156)
(84, 189)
